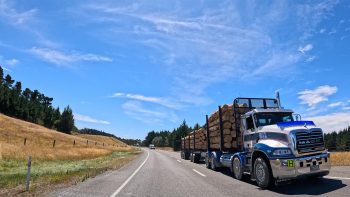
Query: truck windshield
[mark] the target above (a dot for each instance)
(263, 119)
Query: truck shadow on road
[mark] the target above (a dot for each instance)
(305, 186)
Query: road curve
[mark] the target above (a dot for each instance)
(162, 173)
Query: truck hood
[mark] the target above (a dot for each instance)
(287, 127)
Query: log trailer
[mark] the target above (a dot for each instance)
(273, 144)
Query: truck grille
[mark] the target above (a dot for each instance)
(308, 142)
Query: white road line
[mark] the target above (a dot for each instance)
(203, 175)
(179, 161)
(332, 177)
(128, 180)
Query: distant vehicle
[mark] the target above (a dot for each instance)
(151, 146)
(267, 143)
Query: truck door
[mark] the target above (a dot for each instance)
(249, 134)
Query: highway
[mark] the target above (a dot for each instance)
(163, 173)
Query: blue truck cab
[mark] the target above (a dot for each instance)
(273, 145)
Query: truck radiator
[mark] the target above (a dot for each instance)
(308, 142)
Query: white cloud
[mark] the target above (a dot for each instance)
(13, 16)
(11, 62)
(218, 44)
(310, 59)
(158, 100)
(61, 58)
(346, 108)
(322, 30)
(332, 122)
(158, 116)
(317, 95)
(333, 31)
(89, 119)
(306, 48)
(336, 104)
(7, 64)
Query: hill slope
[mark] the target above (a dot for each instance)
(18, 139)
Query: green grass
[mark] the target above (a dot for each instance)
(13, 172)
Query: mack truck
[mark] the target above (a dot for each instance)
(274, 144)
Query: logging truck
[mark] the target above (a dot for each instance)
(256, 137)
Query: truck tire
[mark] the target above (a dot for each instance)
(237, 170)
(262, 173)
(196, 158)
(207, 162)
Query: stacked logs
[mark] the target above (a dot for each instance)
(230, 138)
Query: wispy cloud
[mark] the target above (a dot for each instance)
(13, 16)
(218, 44)
(336, 104)
(7, 64)
(332, 122)
(61, 58)
(161, 101)
(306, 48)
(158, 116)
(310, 59)
(84, 118)
(317, 95)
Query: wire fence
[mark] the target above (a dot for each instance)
(56, 142)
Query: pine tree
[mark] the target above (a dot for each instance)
(66, 122)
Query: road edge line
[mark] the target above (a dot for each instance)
(196, 171)
(334, 177)
(130, 177)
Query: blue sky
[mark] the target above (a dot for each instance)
(128, 67)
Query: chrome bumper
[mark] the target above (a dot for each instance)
(302, 166)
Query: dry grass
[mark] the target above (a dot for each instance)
(340, 158)
(73, 156)
(40, 141)
(166, 148)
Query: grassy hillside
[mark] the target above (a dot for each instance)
(74, 156)
(40, 140)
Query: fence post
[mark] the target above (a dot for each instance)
(95, 143)
(87, 142)
(103, 144)
(28, 173)
(25, 141)
(54, 143)
(74, 143)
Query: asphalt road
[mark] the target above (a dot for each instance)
(162, 173)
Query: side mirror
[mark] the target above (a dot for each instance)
(297, 117)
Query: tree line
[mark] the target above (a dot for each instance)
(166, 138)
(335, 141)
(338, 141)
(32, 106)
(89, 131)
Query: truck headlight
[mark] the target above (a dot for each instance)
(284, 151)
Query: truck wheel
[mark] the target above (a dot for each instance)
(237, 169)
(262, 173)
(207, 162)
(213, 163)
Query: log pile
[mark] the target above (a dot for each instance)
(230, 138)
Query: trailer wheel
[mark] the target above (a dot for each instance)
(262, 173)
(196, 158)
(213, 163)
(207, 162)
(237, 169)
